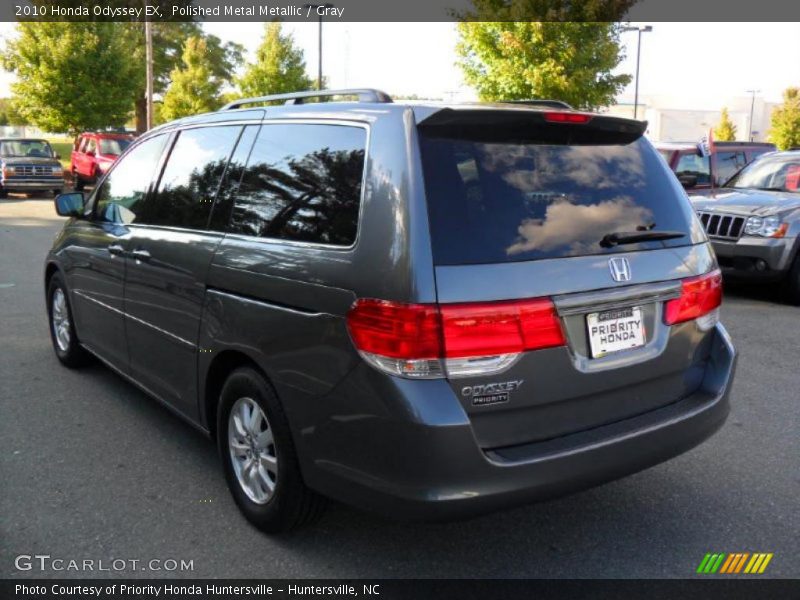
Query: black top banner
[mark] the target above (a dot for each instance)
(403, 11)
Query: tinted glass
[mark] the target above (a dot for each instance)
(29, 148)
(780, 173)
(113, 146)
(233, 176)
(727, 165)
(119, 198)
(191, 178)
(694, 164)
(302, 182)
(503, 202)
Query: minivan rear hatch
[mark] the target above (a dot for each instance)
(531, 214)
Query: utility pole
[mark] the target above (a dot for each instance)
(639, 30)
(752, 106)
(316, 7)
(148, 44)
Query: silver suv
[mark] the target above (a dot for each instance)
(424, 310)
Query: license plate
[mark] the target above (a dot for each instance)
(615, 330)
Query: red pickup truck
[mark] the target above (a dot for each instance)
(93, 153)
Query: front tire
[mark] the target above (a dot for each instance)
(793, 282)
(259, 458)
(62, 326)
(77, 182)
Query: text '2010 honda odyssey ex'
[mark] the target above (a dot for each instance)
(424, 310)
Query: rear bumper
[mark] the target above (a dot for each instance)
(755, 258)
(431, 467)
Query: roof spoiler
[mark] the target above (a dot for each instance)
(527, 125)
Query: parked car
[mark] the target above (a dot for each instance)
(754, 222)
(422, 310)
(93, 153)
(29, 165)
(696, 172)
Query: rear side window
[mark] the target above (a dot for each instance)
(696, 165)
(191, 178)
(505, 202)
(302, 182)
(728, 163)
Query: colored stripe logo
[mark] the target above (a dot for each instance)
(734, 563)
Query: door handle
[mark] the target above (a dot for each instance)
(141, 255)
(116, 250)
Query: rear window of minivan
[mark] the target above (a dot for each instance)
(495, 201)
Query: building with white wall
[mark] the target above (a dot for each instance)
(681, 119)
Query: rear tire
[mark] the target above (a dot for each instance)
(793, 282)
(258, 456)
(62, 326)
(3, 193)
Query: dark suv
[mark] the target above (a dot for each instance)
(422, 310)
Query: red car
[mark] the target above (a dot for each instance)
(94, 153)
(695, 171)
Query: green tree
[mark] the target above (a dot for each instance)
(70, 76)
(9, 115)
(785, 130)
(279, 66)
(194, 88)
(169, 39)
(726, 130)
(541, 49)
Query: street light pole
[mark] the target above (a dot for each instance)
(148, 44)
(752, 106)
(639, 31)
(316, 7)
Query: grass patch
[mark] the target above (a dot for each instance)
(63, 147)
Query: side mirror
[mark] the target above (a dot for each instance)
(70, 204)
(56, 155)
(688, 181)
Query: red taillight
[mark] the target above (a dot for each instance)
(567, 117)
(699, 296)
(415, 333)
(396, 330)
(492, 328)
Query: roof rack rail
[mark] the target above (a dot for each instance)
(363, 94)
(545, 103)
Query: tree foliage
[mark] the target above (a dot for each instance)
(555, 49)
(279, 66)
(785, 130)
(195, 88)
(725, 131)
(169, 40)
(70, 76)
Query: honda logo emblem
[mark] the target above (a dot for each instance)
(620, 269)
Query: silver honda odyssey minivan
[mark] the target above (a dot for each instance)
(419, 309)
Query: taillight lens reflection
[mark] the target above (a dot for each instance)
(699, 296)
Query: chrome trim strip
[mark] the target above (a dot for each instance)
(611, 298)
(96, 301)
(138, 320)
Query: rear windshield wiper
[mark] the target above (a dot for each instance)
(632, 237)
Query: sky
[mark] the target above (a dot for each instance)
(701, 65)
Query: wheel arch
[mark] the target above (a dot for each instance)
(220, 367)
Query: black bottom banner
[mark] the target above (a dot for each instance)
(390, 589)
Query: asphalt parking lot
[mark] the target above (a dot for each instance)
(90, 468)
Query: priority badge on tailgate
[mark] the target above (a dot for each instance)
(490, 393)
